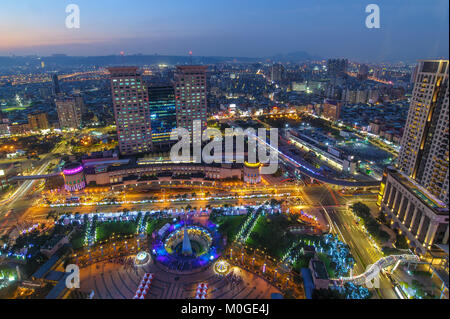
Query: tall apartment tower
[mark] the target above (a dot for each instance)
(161, 99)
(424, 154)
(190, 96)
(131, 110)
(337, 67)
(56, 87)
(363, 72)
(414, 197)
(79, 101)
(278, 73)
(68, 114)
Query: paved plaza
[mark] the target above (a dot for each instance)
(116, 281)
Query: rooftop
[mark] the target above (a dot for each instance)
(423, 194)
(320, 271)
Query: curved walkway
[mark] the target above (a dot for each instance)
(374, 269)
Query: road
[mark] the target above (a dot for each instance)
(17, 200)
(362, 250)
(344, 224)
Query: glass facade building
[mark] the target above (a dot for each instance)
(161, 99)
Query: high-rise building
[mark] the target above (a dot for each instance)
(414, 197)
(278, 73)
(131, 110)
(332, 109)
(363, 72)
(68, 114)
(161, 101)
(38, 121)
(79, 101)
(190, 96)
(337, 67)
(424, 155)
(56, 87)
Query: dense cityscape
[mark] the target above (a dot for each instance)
(356, 208)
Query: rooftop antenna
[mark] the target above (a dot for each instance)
(190, 58)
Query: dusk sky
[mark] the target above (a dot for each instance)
(410, 29)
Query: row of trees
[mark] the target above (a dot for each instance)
(372, 225)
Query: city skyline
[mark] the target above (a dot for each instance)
(240, 150)
(255, 30)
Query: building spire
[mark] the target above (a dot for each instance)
(187, 249)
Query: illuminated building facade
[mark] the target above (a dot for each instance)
(38, 121)
(414, 197)
(68, 112)
(424, 155)
(332, 110)
(74, 177)
(131, 110)
(190, 96)
(251, 173)
(161, 100)
(414, 212)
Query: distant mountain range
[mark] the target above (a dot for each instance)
(58, 60)
(298, 56)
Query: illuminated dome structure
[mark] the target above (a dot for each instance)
(74, 177)
(142, 258)
(222, 267)
(179, 253)
(252, 173)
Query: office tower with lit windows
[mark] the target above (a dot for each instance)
(190, 96)
(161, 101)
(68, 112)
(414, 196)
(131, 110)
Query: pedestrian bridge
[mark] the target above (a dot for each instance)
(372, 272)
(33, 177)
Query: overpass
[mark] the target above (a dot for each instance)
(33, 177)
(373, 271)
